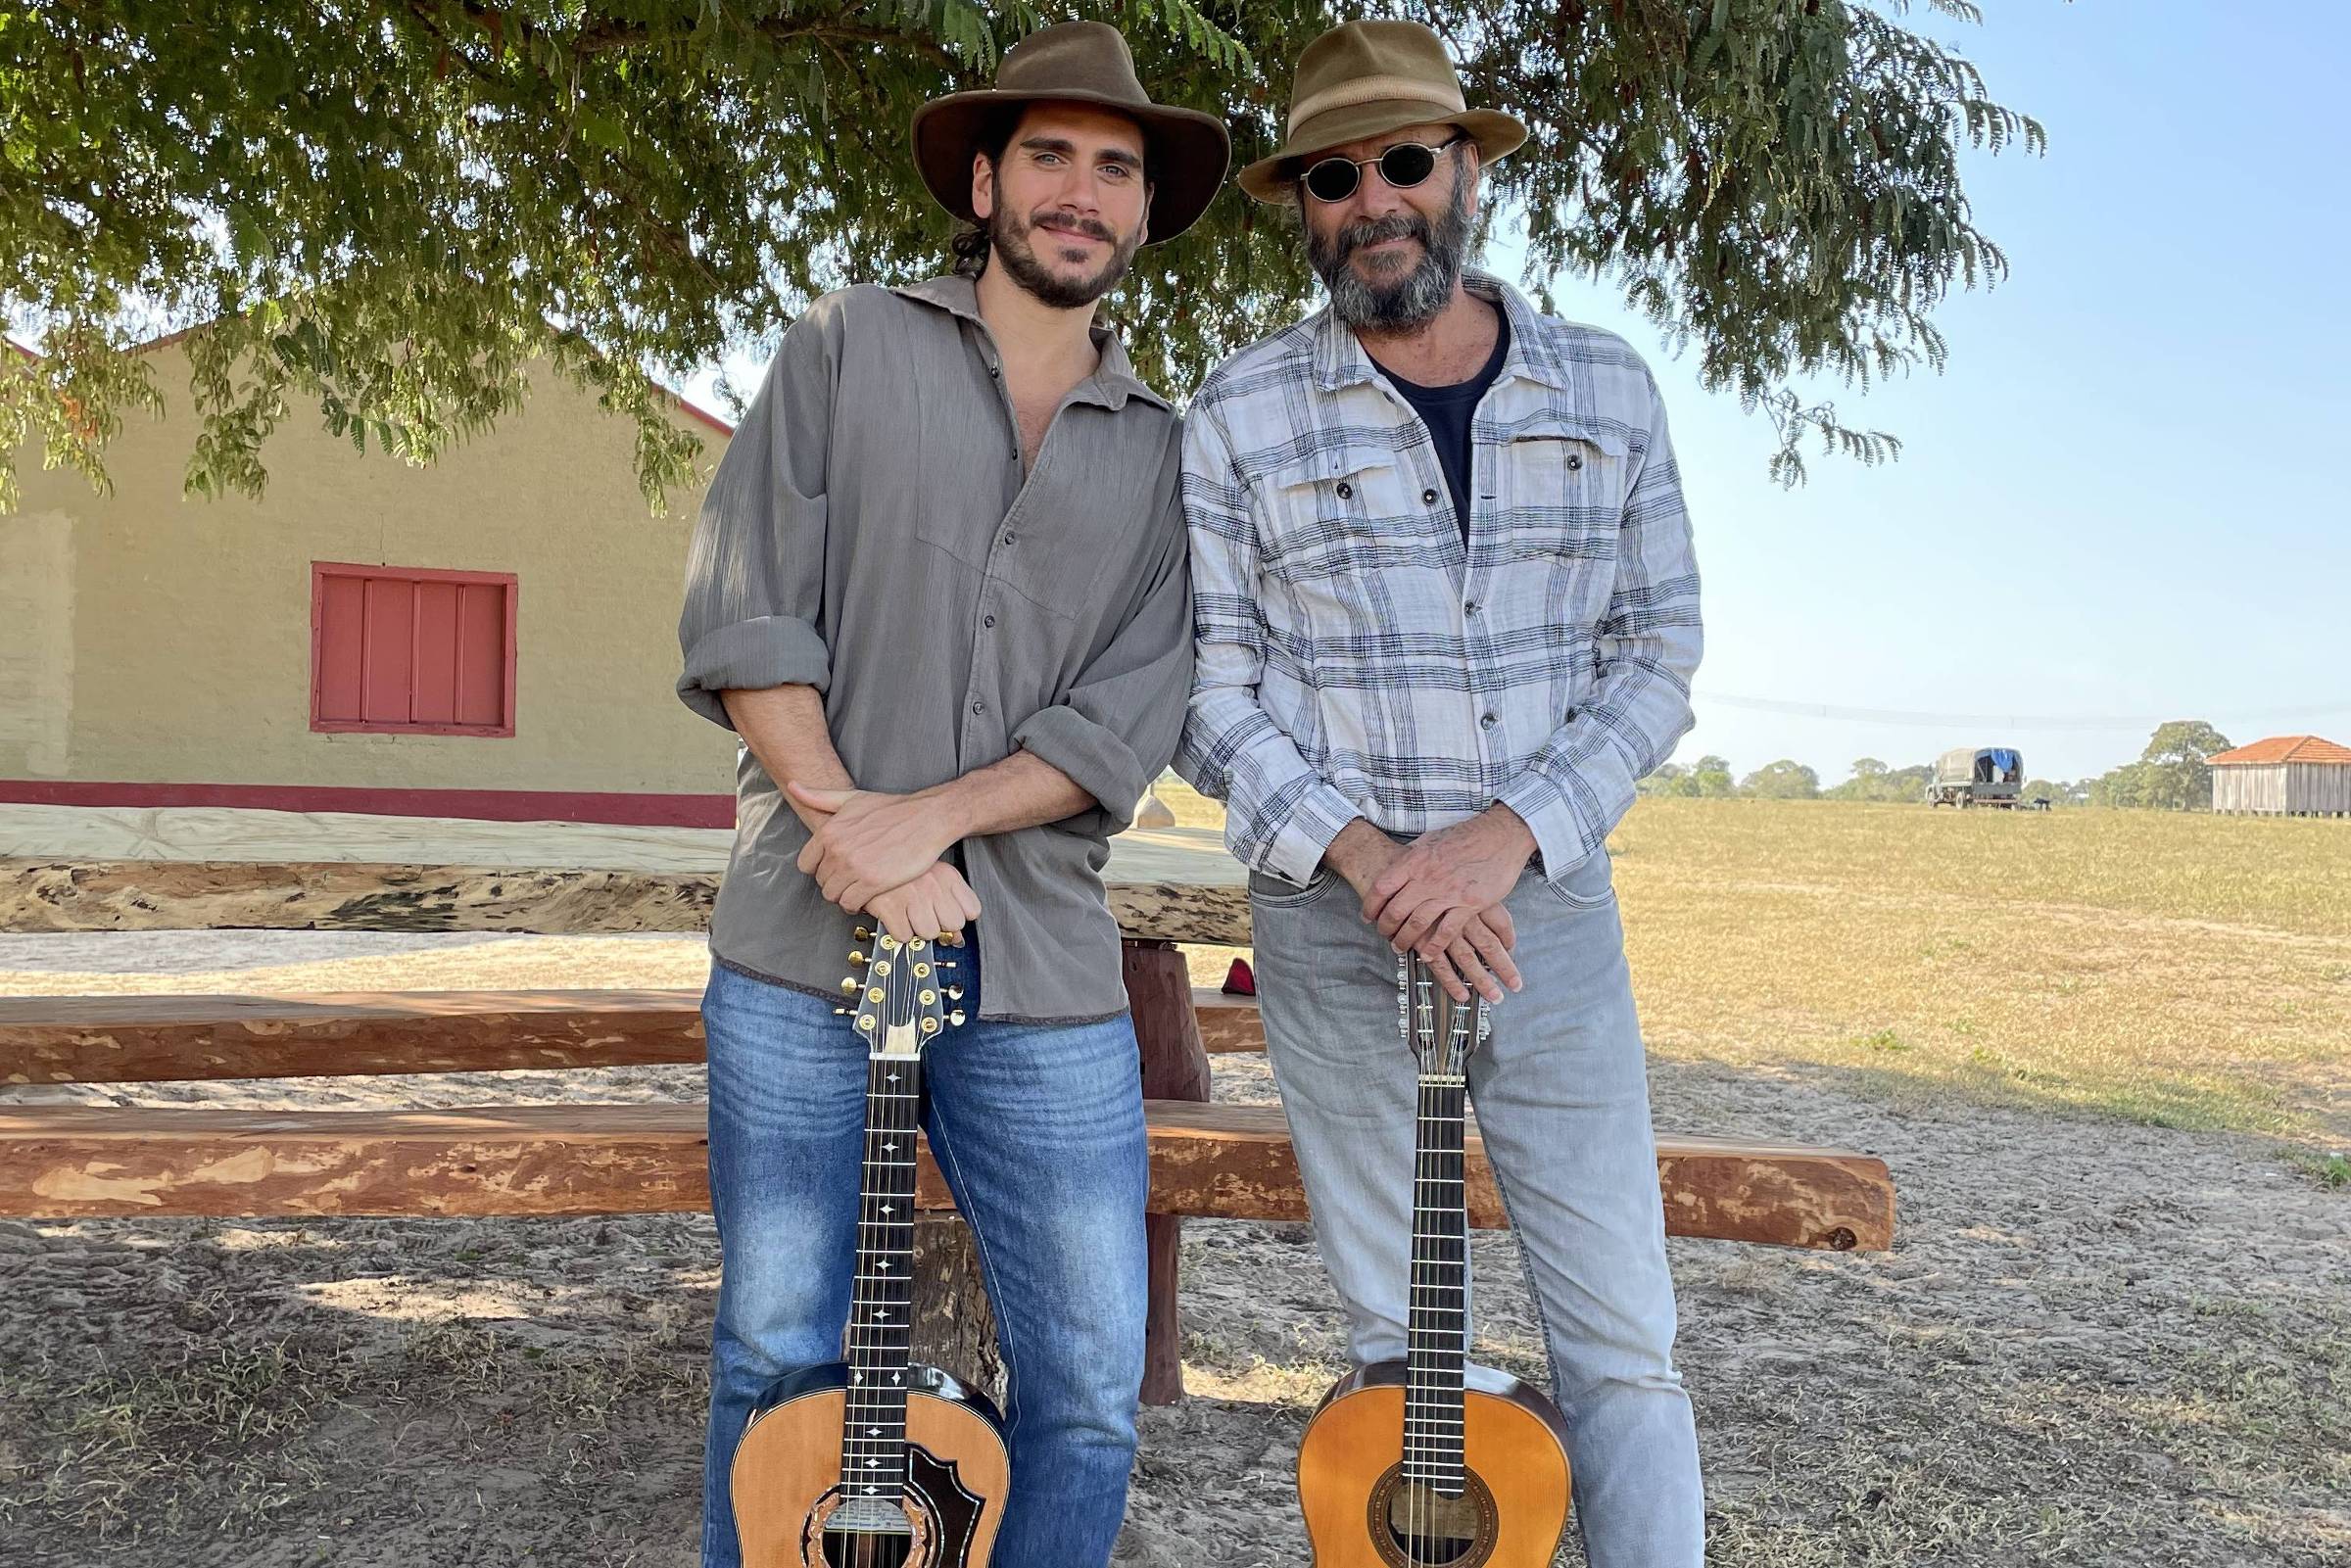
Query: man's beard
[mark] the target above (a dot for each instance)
(1011, 240)
(1404, 302)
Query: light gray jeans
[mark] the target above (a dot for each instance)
(1560, 1092)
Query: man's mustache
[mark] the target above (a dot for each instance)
(1373, 230)
(1069, 223)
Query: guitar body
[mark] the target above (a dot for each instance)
(1360, 1513)
(787, 1477)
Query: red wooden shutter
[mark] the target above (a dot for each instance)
(411, 649)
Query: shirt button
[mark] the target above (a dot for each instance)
(1470, 608)
(1345, 489)
(988, 620)
(978, 706)
(1575, 460)
(1009, 537)
(1488, 722)
(1428, 498)
(995, 369)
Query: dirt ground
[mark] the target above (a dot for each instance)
(2095, 1342)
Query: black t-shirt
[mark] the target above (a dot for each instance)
(1447, 411)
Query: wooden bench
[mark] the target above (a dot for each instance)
(62, 1161)
(135, 1039)
(1215, 1160)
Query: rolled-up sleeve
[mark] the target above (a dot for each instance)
(1279, 814)
(1580, 783)
(1117, 727)
(755, 571)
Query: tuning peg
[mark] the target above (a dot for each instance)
(840, 1012)
(858, 958)
(956, 1018)
(849, 983)
(945, 965)
(954, 993)
(863, 933)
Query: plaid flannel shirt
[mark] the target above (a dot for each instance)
(1354, 659)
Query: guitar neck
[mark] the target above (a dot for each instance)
(873, 1446)
(1439, 1325)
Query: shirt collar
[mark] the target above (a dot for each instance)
(1340, 360)
(1114, 380)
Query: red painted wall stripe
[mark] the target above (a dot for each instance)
(486, 805)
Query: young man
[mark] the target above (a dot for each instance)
(939, 588)
(1447, 616)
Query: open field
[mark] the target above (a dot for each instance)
(2115, 1329)
(2184, 971)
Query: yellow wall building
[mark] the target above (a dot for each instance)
(162, 650)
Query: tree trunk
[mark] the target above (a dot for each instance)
(1175, 1067)
(954, 1327)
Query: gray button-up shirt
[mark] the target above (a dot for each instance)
(869, 533)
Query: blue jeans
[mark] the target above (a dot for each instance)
(1562, 1097)
(1039, 1130)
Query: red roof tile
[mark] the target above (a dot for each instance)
(2287, 748)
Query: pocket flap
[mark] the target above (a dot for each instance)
(1551, 425)
(1326, 465)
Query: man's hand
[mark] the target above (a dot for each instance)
(935, 905)
(870, 842)
(1477, 951)
(1442, 897)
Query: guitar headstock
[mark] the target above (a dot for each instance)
(1441, 1031)
(902, 994)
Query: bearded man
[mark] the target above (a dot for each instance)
(1447, 616)
(939, 588)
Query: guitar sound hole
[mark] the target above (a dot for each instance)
(866, 1548)
(1427, 1529)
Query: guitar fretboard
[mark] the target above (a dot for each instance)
(1439, 1335)
(873, 1447)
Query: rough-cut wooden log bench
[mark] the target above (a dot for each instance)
(142, 1039)
(249, 870)
(1222, 1161)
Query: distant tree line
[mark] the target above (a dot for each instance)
(2171, 775)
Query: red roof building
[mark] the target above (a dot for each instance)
(2285, 776)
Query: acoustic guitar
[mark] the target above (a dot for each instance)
(878, 1461)
(1428, 1462)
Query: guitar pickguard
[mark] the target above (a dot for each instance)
(954, 1512)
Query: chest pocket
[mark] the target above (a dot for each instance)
(1320, 516)
(1565, 483)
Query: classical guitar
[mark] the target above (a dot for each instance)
(877, 1461)
(1428, 1461)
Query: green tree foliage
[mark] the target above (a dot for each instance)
(2176, 775)
(2171, 775)
(393, 208)
(1712, 778)
(1782, 780)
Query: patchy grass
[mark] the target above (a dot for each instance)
(2182, 971)
(2329, 1170)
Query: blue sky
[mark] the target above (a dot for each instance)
(2124, 499)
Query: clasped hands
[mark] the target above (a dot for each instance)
(878, 854)
(1442, 895)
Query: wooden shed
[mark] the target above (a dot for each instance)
(2285, 776)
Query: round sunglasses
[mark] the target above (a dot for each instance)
(1403, 166)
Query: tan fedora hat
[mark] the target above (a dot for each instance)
(1367, 79)
(1077, 62)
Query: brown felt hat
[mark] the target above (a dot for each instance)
(1367, 79)
(1077, 62)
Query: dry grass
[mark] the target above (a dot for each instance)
(2184, 971)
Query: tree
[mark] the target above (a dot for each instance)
(1782, 780)
(392, 208)
(1712, 777)
(1868, 782)
(2177, 776)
